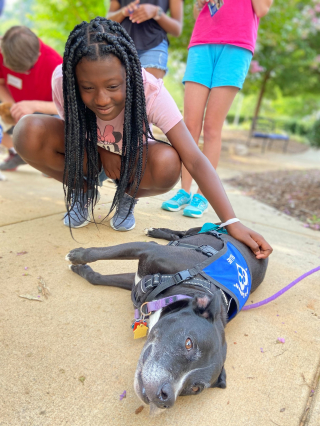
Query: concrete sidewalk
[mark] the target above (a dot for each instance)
(67, 359)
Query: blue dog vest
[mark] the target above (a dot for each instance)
(231, 274)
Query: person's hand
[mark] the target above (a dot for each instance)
(128, 10)
(200, 4)
(143, 13)
(252, 239)
(111, 163)
(20, 109)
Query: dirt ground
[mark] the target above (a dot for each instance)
(295, 193)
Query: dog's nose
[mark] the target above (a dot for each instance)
(165, 396)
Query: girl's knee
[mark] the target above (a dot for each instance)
(211, 131)
(193, 127)
(166, 167)
(28, 134)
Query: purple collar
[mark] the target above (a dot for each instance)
(158, 304)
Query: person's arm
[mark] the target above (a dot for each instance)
(19, 109)
(5, 95)
(209, 183)
(171, 24)
(261, 7)
(117, 13)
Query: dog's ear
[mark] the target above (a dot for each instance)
(208, 306)
(222, 380)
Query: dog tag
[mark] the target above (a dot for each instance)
(136, 323)
(140, 331)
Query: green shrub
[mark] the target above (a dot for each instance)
(314, 134)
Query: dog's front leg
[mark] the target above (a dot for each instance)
(124, 281)
(128, 251)
(170, 234)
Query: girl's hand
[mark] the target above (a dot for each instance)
(22, 108)
(201, 3)
(128, 10)
(252, 239)
(143, 13)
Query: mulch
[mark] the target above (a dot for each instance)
(295, 193)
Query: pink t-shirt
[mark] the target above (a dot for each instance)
(161, 110)
(234, 23)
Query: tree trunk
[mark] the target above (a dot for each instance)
(262, 90)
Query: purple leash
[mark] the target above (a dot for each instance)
(279, 293)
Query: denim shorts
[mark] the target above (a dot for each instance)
(157, 57)
(216, 65)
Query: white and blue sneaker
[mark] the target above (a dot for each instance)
(196, 208)
(175, 203)
(123, 219)
(79, 215)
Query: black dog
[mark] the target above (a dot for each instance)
(185, 349)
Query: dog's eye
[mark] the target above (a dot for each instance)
(195, 389)
(189, 344)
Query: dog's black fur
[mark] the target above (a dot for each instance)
(168, 367)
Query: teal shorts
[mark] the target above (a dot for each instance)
(216, 65)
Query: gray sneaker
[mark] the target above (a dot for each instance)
(12, 162)
(80, 216)
(122, 221)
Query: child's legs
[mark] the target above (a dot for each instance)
(195, 99)
(226, 67)
(220, 101)
(162, 170)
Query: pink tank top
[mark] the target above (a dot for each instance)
(234, 23)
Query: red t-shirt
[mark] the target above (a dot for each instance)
(36, 84)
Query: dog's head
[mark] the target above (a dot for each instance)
(184, 353)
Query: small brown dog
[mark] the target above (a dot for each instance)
(6, 114)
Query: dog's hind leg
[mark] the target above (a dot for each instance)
(124, 281)
(169, 234)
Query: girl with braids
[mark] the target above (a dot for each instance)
(107, 103)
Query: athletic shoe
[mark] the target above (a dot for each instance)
(174, 204)
(197, 207)
(12, 162)
(80, 216)
(123, 219)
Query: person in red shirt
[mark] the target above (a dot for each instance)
(26, 68)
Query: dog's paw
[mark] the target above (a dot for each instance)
(76, 256)
(86, 272)
(147, 231)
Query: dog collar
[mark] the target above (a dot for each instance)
(148, 307)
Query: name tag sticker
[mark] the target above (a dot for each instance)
(14, 81)
(214, 6)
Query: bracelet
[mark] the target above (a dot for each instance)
(158, 14)
(198, 7)
(229, 222)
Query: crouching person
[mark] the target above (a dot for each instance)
(26, 68)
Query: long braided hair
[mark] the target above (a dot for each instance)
(95, 40)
